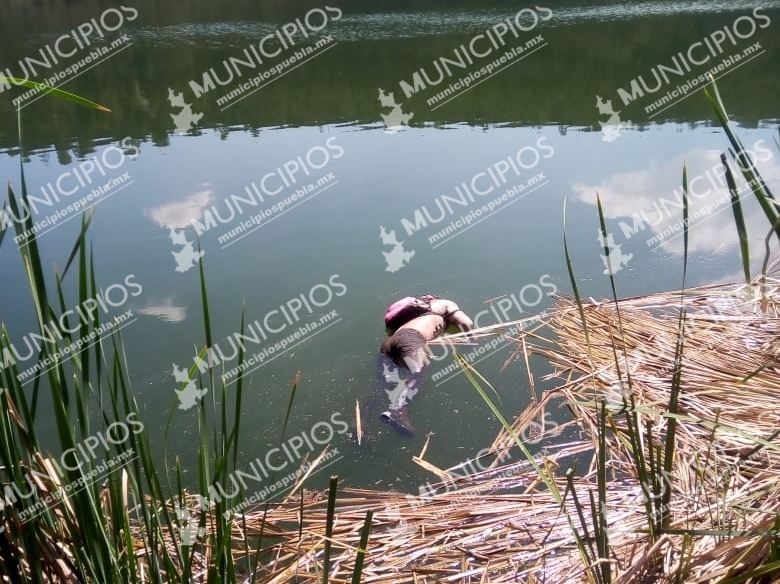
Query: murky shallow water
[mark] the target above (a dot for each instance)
(326, 113)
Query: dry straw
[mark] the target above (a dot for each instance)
(502, 524)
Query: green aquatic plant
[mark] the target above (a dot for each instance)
(55, 92)
(125, 529)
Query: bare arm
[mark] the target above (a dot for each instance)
(461, 320)
(452, 314)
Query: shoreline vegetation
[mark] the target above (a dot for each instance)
(674, 476)
(502, 524)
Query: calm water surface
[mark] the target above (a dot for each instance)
(325, 112)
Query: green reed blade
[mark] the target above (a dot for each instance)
(48, 89)
(334, 482)
(361, 553)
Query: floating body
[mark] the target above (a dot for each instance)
(403, 355)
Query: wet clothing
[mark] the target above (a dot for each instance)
(398, 385)
(403, 356)
(404, 310)
(406, 347)
(399, 375)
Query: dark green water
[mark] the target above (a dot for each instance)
(327, 108)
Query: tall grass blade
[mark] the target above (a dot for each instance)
(745, 163)
(674, 393)
(739, 218)
(686, 213)
(79, 244)
(334, 483)
(600, 517)
(580, 540)
(573, 280)
(543, 474)
(361, 553)
(3, 213)
(599, 521)
(205, 300)
(48, 89)
(629, 405)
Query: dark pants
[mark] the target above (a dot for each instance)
(396, 381)
(394, 384)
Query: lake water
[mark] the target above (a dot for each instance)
(356, 186)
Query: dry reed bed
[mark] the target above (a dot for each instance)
(496, 525)
(504, 525)
(730, 377)
(723, 478)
